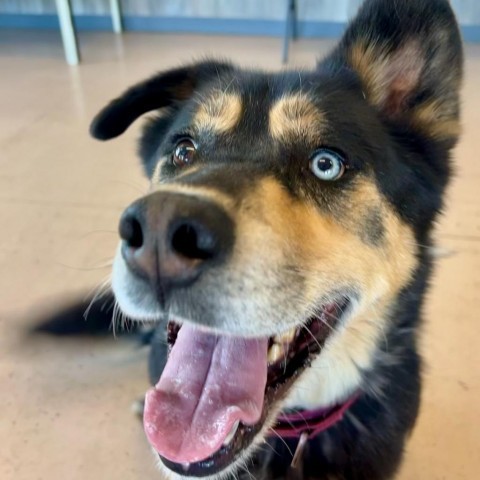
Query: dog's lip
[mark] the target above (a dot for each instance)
(280, 379)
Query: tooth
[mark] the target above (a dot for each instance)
(286, 337)
(275, 353)
(232, 433)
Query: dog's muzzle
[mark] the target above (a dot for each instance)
(169, 239)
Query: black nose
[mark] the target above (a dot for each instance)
(169, 239)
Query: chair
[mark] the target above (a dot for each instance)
(67, 28)
(290, 28)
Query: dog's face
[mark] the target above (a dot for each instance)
(283, 222)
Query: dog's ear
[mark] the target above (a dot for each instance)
(162, 90)
(408, 56)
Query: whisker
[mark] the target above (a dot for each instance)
(114, 319)
(318, 313)
(95, 232)
(283, 440)
(136, 187)
(100, 266)
(98, 293)
(266, 444)
(119, 319)
(228, 85)
(312, 335)
(244, 467)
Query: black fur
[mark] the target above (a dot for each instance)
(382, 138)
(158, 92)
(79, 319)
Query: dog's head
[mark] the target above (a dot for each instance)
(283, 222)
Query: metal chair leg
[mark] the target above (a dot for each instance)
(290, 28)
(294, 20)
(116, 16)
(67, 30)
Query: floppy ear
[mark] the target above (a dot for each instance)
(162, 90)
(408, 56)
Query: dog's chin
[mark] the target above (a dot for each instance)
(241, 462)
(288, 354)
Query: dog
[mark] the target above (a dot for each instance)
(282, 251)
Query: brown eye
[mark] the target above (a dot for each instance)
(184, 153)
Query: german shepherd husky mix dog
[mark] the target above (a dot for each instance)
(281, 249)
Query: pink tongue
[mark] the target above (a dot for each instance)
(208, 384)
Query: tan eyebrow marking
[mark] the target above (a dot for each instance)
(219, 112)
(295, 115)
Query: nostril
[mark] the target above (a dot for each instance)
(194, 242)
(131, 232)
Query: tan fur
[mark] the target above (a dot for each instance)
(273, 229)
(430, 118)
(332, 256)
(296, 117)
(385, 74)
(388, 79)
(156, 177)
(355, 207)
(219, 112)
(206, 193)
(334, 250)
(159, 184)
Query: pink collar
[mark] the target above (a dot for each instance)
(309, 423)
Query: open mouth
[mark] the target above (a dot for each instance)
(217, 391)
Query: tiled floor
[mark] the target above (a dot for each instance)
(65, 405)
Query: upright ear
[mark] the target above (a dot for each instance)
(408, 56)
(162, 90)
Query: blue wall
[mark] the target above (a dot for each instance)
(224, 26)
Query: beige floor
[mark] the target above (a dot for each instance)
(65, 405)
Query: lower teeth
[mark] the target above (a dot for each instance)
(232, 433)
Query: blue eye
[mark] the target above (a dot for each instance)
(327, 165)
